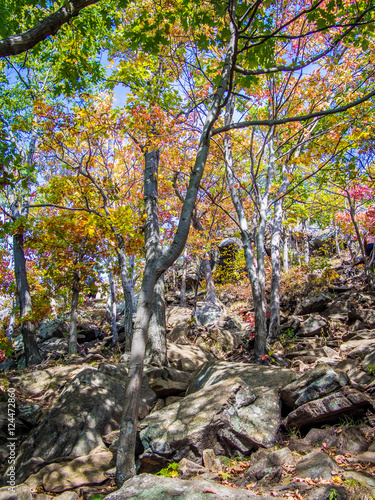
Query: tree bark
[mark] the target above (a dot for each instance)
(125, 466)
(306, 247)
(211, 292)
(50, 25)
(156, 350)
(74, 312)
(112, 286)
(127, 289)
(183, 280)
(286, 250)
(75, 297)
(28, 329)
(274, 327)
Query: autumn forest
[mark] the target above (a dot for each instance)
(142, 139)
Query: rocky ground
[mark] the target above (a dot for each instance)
(212, 424)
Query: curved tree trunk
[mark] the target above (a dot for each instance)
(125, 466)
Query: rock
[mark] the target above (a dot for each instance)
(88, 333)
(256, 376)
(67, 495)
(228, 417)
(177, 315)
(54, 347)
(358, 348)
(211, 463)
(89, 407)
(179, 334)
(29, 413)
(52, 328)
(186, 365)
(231, 323)
(209, 313)
(150, 487)
(225, 340)
(317, 465)
(58, 477)
(363, 478)
(313, 325)
(195, 354)
(329, 408)
(348, 440)
(21, 492)
(168, 381)
(366, 457)
(270, 464)
(314, 384)
(328, 492)
(314, 304)
(188, 468)
(172, 399)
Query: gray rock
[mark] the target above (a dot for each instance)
(256, 376)
(329, 408)
(328, 492)
(21, 492)
(197, 355)
(67, 495)
(314, 384)
(228, 417)
(358, 348)
(317, 465)
(348, 440)
(150, 487)
(314, 304)
(90, 407)
(177, 315)
(209, 313)
(363, 478)
(58, 477)
(269, 464)
(168, 381)
(313, 325)
(29, 413)
(52, 328)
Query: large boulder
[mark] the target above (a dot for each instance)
(314, 384)
(317, 465)
(313, 325)
(330, 408)
(314, 304)
(150, 487)
(20, 492)
(168, 381)
(207, 312)
(90, 407)
(52, 328)
(188, 355)
(256, 376)
(228, 417)
(178, 315)
(58, 477)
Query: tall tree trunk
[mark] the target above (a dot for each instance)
(75, 297)
(156, 350)
(183, 280)
(125, 466)
(306, 246)
(127, 288)
(211, 292)
(12, 320)
(74, 312)
(274, 327)
(286, 250)
(338, 253)
(112, 286)
(28, 330)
